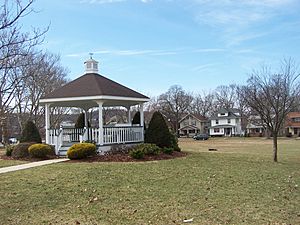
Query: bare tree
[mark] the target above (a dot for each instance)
(41, 74)
(272, 96)
(14, 45)
(225, 96)
(14, 42)
(203, 104)
(152, 105)
(174, 103)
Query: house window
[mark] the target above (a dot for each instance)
(216, 130)
(228, 121)
(222, 114)
(296, 119)
(217, 121)
(193, 122)
(185, 123)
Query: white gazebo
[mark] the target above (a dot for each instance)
(86, 92)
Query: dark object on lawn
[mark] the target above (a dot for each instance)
(212, 149)
(201, 137)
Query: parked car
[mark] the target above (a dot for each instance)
(201, 137)
(13, 140)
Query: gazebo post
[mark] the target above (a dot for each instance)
(142, 119)
(47, 123)
(86, 123)
(128, 115)
(100, 122)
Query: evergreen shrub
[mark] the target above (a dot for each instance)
(9, 149)
(40, 151)
(137, 153)
(81, 151)
(30, 133)
(168, 150)
(158, 132)
(136, 119)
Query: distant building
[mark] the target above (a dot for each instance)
(292, 124)
(226, 122)
(255, 127)
(192, 124)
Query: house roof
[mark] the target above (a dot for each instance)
(197, 116)
(92, 84)
(232, 113)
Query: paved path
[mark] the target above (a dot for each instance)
(30, 165)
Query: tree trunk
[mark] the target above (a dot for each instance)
(275, 147)
(268, 133)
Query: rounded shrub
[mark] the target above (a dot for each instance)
(40, 150)
(30, 133)
(137, 153)
(149, 149)
(81, 151)
(21, 150)
(168, 150)
(9, 149)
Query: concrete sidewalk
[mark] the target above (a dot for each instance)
(30, 165)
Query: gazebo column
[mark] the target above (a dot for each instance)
(100, 123)
(86, 123)
(142, 119)
(47, 123)
(128, 115)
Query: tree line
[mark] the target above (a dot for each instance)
(26, 72)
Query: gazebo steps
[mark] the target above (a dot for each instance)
(63, 149)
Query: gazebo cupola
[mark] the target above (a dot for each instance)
(91, 65)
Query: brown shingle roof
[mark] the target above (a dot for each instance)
(93, 84)
(197, 116)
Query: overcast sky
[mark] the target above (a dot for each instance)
(151, 45)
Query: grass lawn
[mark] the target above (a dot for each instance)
(238, 184)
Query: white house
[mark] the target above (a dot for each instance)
(255, 126)
(192, 124)
(226, 122)
(86, 92)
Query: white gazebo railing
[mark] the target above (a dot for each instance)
(118, 135)
(111, 135)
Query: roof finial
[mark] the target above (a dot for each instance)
(91, 55)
